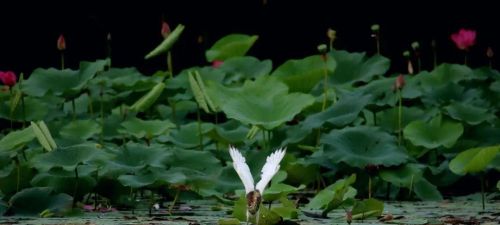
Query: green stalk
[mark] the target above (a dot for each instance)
(62, 60)
(18, 177)
(73, 107)
(369, 186)
(482, 191)
(76, 187)
(400, 115)
(23, 108)
(101, 136)
(169, 65)
(173, 203)
(411, 186)
(11, 111)
(198, 115)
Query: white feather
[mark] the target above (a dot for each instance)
(271, 167)
(242, 169)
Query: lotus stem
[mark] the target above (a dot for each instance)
(400, 115)
(200, 135)
(101, 99)
(76, 187)
(73, 107)
(411, 186)
(18, 177)
(169, 65)
(23, 108)
(369, 186)
(173, 203)
(482, 191)
(62, 60)
(465, 59)
(11, 112)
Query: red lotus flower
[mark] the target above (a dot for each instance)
(217, 63)
(8, 78)
(464, 39)
(61, 43)
(165, 29)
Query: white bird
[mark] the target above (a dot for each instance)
(254, 192)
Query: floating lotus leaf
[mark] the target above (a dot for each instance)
(434, 133)
(302, 75)
(80, 129)
(361, 146)
(334, 195)
(473, 160)
(354, 67)
(22, 203)
(146, 128)
(68, 157)
(403, 176)
(230, 46)
(61, 82)
(367, 208)
(469, 113)
(15, 139)
(264, 102)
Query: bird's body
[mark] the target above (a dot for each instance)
(254, 192)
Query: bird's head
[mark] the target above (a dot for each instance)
(254, 198)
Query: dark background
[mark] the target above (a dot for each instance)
(286, 29)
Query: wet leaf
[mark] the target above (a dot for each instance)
(232, 45)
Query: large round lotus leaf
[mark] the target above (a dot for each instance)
(188, 135)
(381, 91)
(444, 74)
(245, 67)
(146, 128)
(264, 102)
(402, 176)
(64, 181)
(342, 113)
(68, 157)
(60, 82)
(427, 191)
(434, 133)
(361, 146)
(80, 129)
(229, 132)
(125, 79)
(468, 113)
(35, 109)
(486, 72)
(473, 160)
(32, 201)
(228, 180)
(193, 159)
(136, 181)
(230, 46)
(134, 157)
(301, 75)
(354, 67)
(278, 190)
(444, 94)
(15, 139)
(388, 119)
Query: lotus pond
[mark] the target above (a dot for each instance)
(104, 145)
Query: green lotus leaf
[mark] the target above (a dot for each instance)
(445, 74)
(135, 157)
(403, 176)
(149, 98)
(22, 202)
(245, 67)
(263, 102)
(35, 109)
(468, 113)
(361, 146)
(61, 82)
(354, 67)
(427, 191)
(68, 157)
(266, 216)
(473, 160)
(380, 90)
(367, 208)
(498, 185)
(334, 195)
(124, 79)
(17, 138)
(61, 180)
(229, 132)
(80, 129)
(302, 75)
(136, 181)
(278, 190)
(230, 46)
(434, 133)
(485, 72)
(146, 128)
(188, 135)
(388, 119)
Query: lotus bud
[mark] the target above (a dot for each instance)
(331, 33)
(400, 82)
(61, 43)
(406, 54)
(165, 29)
(375, 28)
(489, 52)
(323, 49)
(415, 45)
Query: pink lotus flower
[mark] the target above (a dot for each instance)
(165, 29)
(61, 43)
(400, 82)
(464, 39)
(8, 78)
(217, 63)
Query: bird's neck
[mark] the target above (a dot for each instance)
(254, 198)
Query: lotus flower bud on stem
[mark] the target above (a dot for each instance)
(489, 54)
(400, 82)
(332, 35)
(376, 34)
(8, 78)
(322, 49)
(165, 29)
(61, 43)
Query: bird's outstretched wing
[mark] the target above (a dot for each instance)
(242, 169)
(270, 169)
